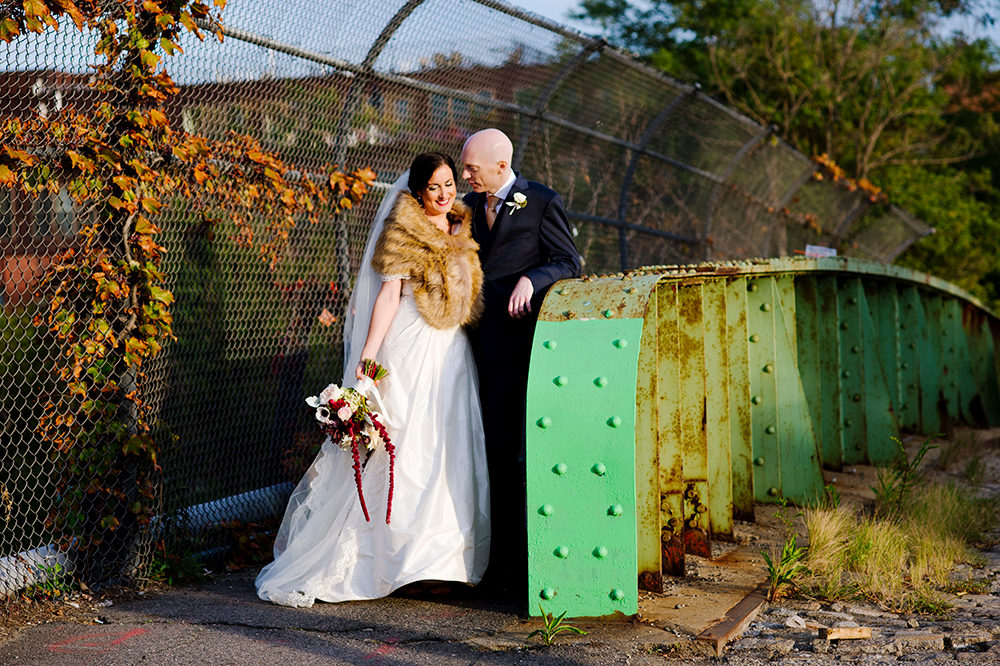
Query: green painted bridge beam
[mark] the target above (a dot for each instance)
(663, 403)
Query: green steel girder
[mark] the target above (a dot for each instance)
(729, 384)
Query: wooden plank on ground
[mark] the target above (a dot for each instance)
(735, 621)
(845, 633)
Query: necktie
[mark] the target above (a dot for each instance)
(491, 210)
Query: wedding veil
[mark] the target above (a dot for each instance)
(366, 287)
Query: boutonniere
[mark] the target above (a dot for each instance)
(519, 202)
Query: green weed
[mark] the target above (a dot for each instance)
(553, 626)
(894, 484)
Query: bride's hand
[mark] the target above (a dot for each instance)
(359, 373)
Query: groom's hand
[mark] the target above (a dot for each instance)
(520, 298)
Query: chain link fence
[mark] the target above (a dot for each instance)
(652, 172)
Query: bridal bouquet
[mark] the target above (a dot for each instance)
(345, 415)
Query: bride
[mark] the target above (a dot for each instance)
(419, 282)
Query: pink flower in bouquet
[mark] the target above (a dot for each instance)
(345, 413)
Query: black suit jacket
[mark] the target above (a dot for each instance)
(535, 241)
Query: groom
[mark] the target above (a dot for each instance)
(525, 245)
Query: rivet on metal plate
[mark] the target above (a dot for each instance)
(615, 510)
(544, 422)
(768, 368)
(546, 510)
(599, 469)
(608, 314)
(770, 430)
(547, 593)
(845, 373)
(600, 552)
(549, 344)
(561, 380)
(848, 423)
(615, 421)
(754, 338)
(766, 307)
(621, 344)
(561, 552)
(756, 400)
(601, 382)
(772, 491)
(759, 461)
(561, 469)
(617, 595)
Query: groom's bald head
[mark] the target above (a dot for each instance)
(487, 156)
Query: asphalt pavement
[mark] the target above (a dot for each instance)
(223, 622)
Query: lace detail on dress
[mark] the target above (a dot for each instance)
(390, 278)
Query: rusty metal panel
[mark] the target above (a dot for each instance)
(981, 351)
(767, 462)
(671, 456)
(910, 319)
(852, 370)
(801, 471)
(933, 403)
(965, 384)
(598, 298)
(691, 360)
(740, 434)
(880, 416)
(785, 285)
(647, 454)
(717, 428)
(828, 330)
(886, 320)
(807, 322)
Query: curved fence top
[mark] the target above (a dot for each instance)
(651, 171)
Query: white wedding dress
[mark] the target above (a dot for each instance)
(440, 525)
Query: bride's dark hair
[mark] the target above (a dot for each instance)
(423, 167)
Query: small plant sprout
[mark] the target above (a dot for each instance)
(784, 569)
(553, 625)
(893, 485)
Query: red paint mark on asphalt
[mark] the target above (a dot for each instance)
(385, 649)
(95, 642)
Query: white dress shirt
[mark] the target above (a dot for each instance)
(503, 191)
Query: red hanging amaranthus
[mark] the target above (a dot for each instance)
(391, 450)
(346, 417)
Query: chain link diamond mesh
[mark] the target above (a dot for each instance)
(651, 172)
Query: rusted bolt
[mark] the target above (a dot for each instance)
(631, 290)
(751, 286)
(701, 508)
(690, 493)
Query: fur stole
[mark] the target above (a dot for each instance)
(444, 269)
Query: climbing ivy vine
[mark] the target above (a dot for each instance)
(108, 309)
